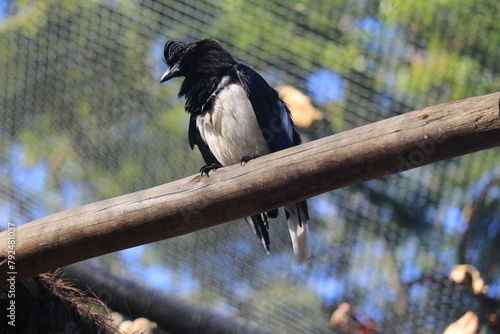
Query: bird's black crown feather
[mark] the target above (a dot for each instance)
(171, 51)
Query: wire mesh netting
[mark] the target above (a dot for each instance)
(83, 118)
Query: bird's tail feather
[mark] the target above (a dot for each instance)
(260, 227)
(298, 224)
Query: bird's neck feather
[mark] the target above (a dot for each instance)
(207, 67)
(198, 87)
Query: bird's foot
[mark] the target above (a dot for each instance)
(273, 213)
(247, 158)
(207, 169)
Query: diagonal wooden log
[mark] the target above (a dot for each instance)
(390, 146)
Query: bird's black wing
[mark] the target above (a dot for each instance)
(272, 114)
(277, 127)
(195, 139)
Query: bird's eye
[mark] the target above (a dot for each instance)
(171, 49)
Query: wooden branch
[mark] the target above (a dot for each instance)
(194, 203)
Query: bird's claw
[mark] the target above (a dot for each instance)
(207, 169)
(247, 158)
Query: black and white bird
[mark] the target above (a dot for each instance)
(235, 116)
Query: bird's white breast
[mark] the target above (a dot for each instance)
(230, 128)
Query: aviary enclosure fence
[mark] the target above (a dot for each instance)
(84, 118)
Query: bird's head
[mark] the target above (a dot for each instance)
(204, 57)
(174, 55)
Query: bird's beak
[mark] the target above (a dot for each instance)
(170, 73)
